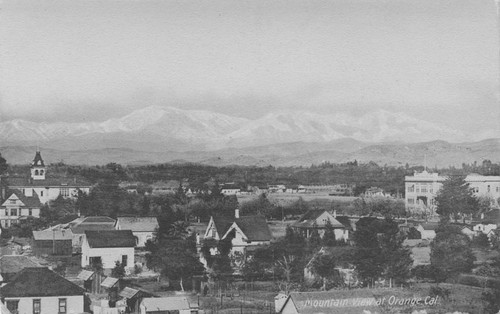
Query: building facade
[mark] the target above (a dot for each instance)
(421, 189)
(46, 188)
(17, 206)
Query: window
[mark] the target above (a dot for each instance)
(36, 172)
(6, 212)
(213, 232)
(124, 260)
(411, 201)
(12, 306)
(411, 188)
(65, 192)
(424, 189)
(41, 172)
(30, 212)
(62, 306)
(13, 211)
(36, 306)
(489, 188)
(13, 201)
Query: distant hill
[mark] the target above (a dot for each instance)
(435, 153)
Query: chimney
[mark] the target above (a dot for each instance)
(236, 213)
(482, 215)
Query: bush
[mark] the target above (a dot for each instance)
(437, 291)
(137, 269)
(481, 241)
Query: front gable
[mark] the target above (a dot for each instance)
(211, 231)
(12, 200)
(324, 217)
(238, 231)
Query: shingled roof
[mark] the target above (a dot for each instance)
(138, 224)
(92, 223)
(28, 201)
(110, 238)
(255, 228)
(308, 219)
(39, 282)
(48, 182)
(10, 264)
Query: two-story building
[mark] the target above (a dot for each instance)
(245, 231)
(46, 188)
(42, 291)
(421, 189)
(17, 206)
(108, 247)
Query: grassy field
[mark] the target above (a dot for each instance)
(284, 199)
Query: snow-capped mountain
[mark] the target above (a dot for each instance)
(167, 128)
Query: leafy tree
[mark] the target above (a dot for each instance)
(455, 199)
(314, 238)
(451, 252)
(379, 251)
(323, 265)
(259, 206)
(3, 164)
(329, 235)
(481, 241)
(118, 271)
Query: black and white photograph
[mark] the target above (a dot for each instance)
(249, 156)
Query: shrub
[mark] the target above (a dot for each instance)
(437, 291)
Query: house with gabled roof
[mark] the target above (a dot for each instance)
(318, 219)
(53, 242)
(427, 230)
(106, 247)
(171, 304)
(18, 206)
(245, 231)
(79, 225)
(143, 228)
(40, 290)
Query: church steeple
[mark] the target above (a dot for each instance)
(38, 167)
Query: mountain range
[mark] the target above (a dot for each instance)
(166, 134)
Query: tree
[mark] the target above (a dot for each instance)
(413, 234)
(3, 164)
(314, 238)
(451, 253)
(456, 199)
(118, 271)
(329, 235)
(323, 265)
(259, 206)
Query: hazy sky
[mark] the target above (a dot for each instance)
(90, 60)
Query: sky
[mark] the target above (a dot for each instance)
(84, 60)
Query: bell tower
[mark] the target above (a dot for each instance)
(38, 169)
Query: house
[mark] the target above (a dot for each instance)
(230, 189)
(177, 304)
(375, 192)
(352, 301)
(11, 265)
(143, 228)
(467, 230)
(46, 188)
(106, 247)
(246, 231)
(79, 225)
(17, 206)
(489, 221)
(40, 290)
(427, 230)
(317, 219)
(53, 242)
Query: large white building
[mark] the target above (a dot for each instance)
(422, 188)
(44, 187)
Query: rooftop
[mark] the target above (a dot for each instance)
(39, 282)
(110, 238)
(166, 304)
(137, 224)
(15, 263)
(60, 234)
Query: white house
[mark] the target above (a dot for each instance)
(143, 228)
(47, 188)
(107, 247)
(16, 206)
(42, 291)
(427, 230)
(79, 225)
(318, 219)
(245, 231)
(177, 304)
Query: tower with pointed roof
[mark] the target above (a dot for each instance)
(38, 169)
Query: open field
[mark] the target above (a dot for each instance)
(289, 198)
